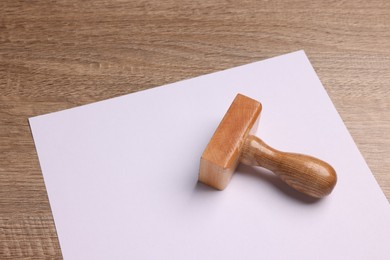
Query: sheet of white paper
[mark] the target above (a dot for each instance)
(121, 174)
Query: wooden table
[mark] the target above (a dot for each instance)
(57, 55)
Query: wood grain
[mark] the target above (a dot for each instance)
(222, 154)
(304, 173)
(233, 142)
(60, 54)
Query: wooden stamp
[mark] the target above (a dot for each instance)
(233, 143)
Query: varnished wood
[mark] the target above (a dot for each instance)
(304, 173)
(59, 54)
(233, 142)
(221, 156)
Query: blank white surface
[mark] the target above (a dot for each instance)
(121, 174)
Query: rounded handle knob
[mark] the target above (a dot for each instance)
(304, 173)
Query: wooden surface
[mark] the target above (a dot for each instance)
(60, 54)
